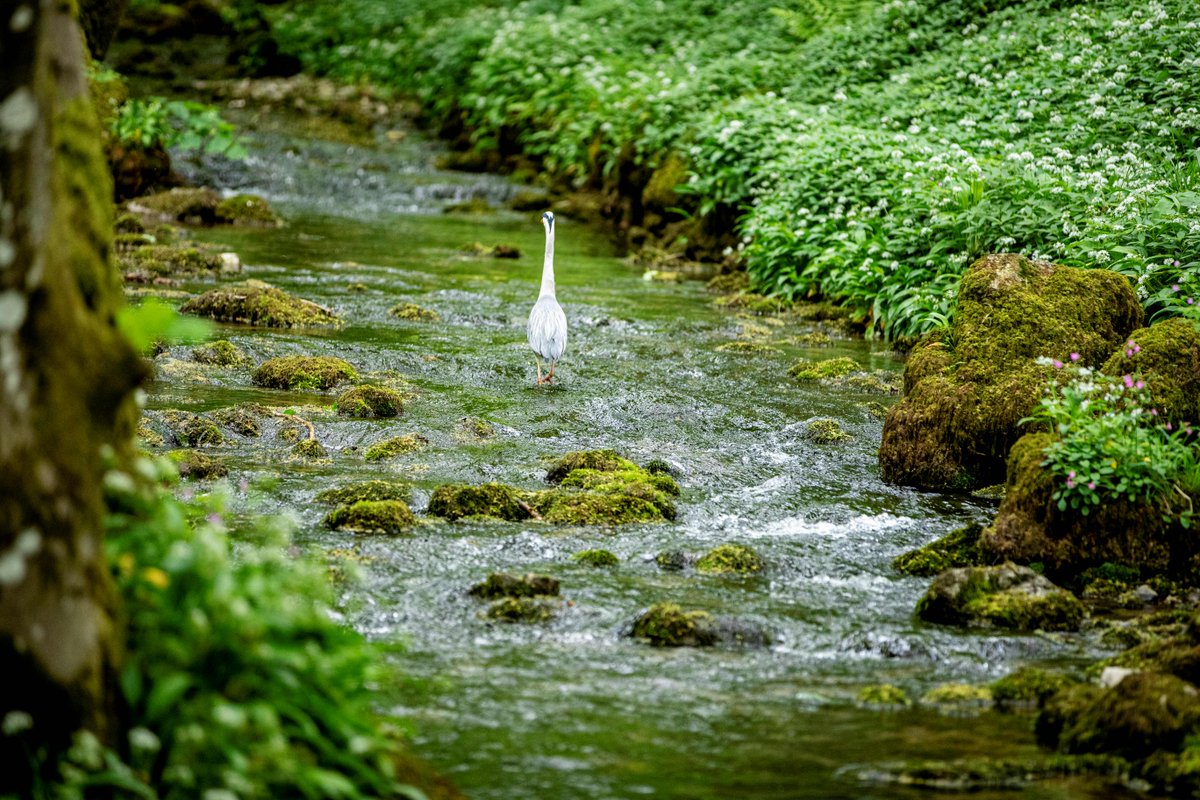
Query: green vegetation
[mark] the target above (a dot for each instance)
(502, 584)
(256, 303)
(304, 372)
(373, 516)
(221, 353)
(668, 625)
(959, 548)
(366, 490)
(411, 312)
(730, 558)
(395, 446)
(371, 401)
(883, 694)
(184, 125)
(596, 558)
(869, 155)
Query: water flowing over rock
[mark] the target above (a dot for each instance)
(1007, 596)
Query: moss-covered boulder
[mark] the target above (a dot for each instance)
(563, 507)
(503, 584)
(673, 560)
(193, 430)
(221, 353)
(372, 516)
(1027, 688)
(238, 419)
(197, 466)
(657, 490)
(883, 695)
(304, 372)
(411, 312)
(475, 428)
(395, 446)
(156, 260)
(967, 388)
(1167, 356)
(457, 500)
(246, 210)
(1030, 527)
(730, 558)
(309, 450)
(959, 548)
(596, 558)
(809, 370)
(187, 205)
(522, 609)
(598, 460)
(1007, 596)
(668, 625)
(370, 401)
(352, 493)
(253, 302)
(958, 697)
(825, 431)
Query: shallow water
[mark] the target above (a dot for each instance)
(574, 709)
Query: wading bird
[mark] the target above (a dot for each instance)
(547, 328)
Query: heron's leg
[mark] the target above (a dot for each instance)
(539, 372)
(550, 377)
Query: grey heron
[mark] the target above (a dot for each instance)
(547, 327)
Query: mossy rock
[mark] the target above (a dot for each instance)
(966, 389)
(127, 223)
(657, 466)
(1028, 687)
(411, 312)
(809, 370)
(370, 402)
(396, 446)
(752, 303)
(171, 259)
(885, 695)
(1029, 527)
(246, 210)
(988, 775)
(476, 428)
(187, 205)
(596, 558)
(365, 490)
(256, 303)
(522, 609)
(747, 347)
(309, 450)
(1007, 596)
(659, 194)
(958, 696)
(372, 516)
(562, 507)
(198, 466)
(730, 558)
(668, 625)
(672, 560)
(193, 430)
(147, 435)
(503, 584)
(825, 431)
(729, 283)
(959, 548)
(1167, 356)
(495, 500)
(304, 372)
(239, 420)
(221, 353)
(599, 460)
(637, 483)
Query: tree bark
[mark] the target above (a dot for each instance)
(66, 383)
(100, 19)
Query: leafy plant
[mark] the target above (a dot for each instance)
(186, 125)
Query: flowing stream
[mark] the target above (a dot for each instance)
(574, 708)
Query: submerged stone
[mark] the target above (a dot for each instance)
(596, 558)
(1007, 596)
(672, 560)
(364, 490)
(809, 370)
(730, 558)
(370, 402)
(503, 584)
(411, 312)
(967, 389)
(522, 609)
(253, 302)
(457, 500)
(304, 372)
(396, 446)
(193, 430)
(373, 516)
(668, 625)
(957, 549)
(198, 466)
(221, 353)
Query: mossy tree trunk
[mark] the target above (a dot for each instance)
(100, 19)
(66, 383)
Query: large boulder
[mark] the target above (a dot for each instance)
(1008, 596)
(966, 388)
(1166, 356)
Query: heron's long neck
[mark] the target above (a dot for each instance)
(548, 266)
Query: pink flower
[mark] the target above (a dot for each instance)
(1174, 287)
(1071, 474)
(1154, 412)
(214, 519)
(1057, 364)
(1175, 263)
(1169, 426)
(1140, 384)
(1070, 483)
(1128, 381)
(1074, 356)
(1190, 301)
(1092, 485)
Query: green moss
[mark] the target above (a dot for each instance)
(455, 501)
(589, 508)
(668, 625)
(809, 370)
(825, 431)
(256, 303)
(957, 549)
(599, 460)
(475, 205)
(747, 347)
(190, 206)
(657, 466)
(729, 283)
(128, 224)
(193, 430)
(247, 210)
(671, 560)
(522, 609)
(983, 774)
(659, 194)
(170, 259)
(365, 490)
(502, 584)
(396, 446)
(1008, 596)
(752, 303)
(1027, 687)
(221, 353)
(883, 694)
(370, 401)
(148, 436)
(309, 450)
(304, 372)
(374, 516)
(596, 558)
(1168, 359)
(727, 558)
(239, 420)
(613, 481)
(411, 312)
(958, 695)
(814, 339)
(476, 428)
(195, 465)
(968, 388)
